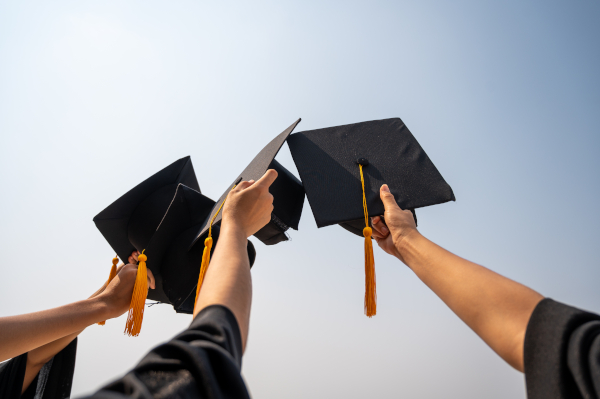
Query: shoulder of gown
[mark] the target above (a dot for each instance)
(562, 352)
(203, 361)
(54, 380)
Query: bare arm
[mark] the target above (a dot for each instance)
(44, 334)
(23, 333)
(36, 358)
(227, 282)
(495, 307)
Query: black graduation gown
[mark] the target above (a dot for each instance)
(52, 382)
(562, 353)
(204, 361)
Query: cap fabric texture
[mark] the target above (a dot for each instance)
(328, 163)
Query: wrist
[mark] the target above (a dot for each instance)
(100, 308)
(229, 228)
(405, 243)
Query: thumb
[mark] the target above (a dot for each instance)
(267, 179)
(389, 202)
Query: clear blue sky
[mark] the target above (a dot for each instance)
(504, 97)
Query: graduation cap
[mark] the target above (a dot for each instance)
(160, 218)
(288, 200)
(343, 167)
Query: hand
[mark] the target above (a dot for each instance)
(117, 295)
(249, 205)
(399, 224)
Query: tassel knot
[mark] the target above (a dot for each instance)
(367, 232)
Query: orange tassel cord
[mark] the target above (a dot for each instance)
(370, 283)
(113, 273)
(138, 299)
(208, 243)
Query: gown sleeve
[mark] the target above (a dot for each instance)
(562, 352)
(54, 380)
(203, 361)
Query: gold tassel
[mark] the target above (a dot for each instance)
(370, 284)
(113, 273)
(138, 299)
(208, 243)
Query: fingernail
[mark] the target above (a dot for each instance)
(385, 188)
(384, 229)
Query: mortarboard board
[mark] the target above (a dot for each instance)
(138, 212)
(287, 191)
(342, 165)
(288, 200)
(160, 218)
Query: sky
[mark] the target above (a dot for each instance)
(96, 96)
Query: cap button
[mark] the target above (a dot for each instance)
(362, 161)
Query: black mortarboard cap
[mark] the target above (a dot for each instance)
(287, 191)
(129, 222)
(162, 216)
(327, 161)
(169, 248)
(343, 167)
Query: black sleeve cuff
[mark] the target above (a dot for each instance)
(549, 332)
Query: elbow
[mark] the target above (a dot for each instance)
(514, 355)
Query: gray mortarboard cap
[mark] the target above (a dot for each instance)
(162, 216)
(287, 191)
(328, 163)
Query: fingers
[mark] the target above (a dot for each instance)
(389, 202)
(379, 227)
(377, 235)
(244, 185)
(133, 259)
(151, 282)
(267, 179)
(127, 268)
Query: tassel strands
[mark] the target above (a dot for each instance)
(208, 243)
(113, 273)
(138, 299)
(370, 283)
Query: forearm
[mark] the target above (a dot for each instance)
(228, 281)
(36, 358)
(24, 333)
(44, 353)
(495, 307)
